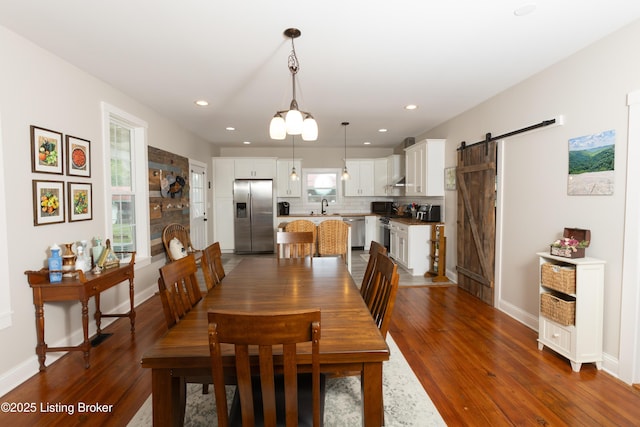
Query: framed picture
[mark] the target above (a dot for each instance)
(46, 151)
(80, 201)
(78, 156)
(48, 202)
(450, 179)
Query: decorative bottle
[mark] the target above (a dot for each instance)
(96, 251)
(55, 265)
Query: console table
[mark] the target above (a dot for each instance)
(80, 288)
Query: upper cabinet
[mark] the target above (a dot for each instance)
(425, 168)
(285, 186)
(361, 180)
(253, 168)
(388, 171)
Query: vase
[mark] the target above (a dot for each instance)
(68, 261)
(96, 251)
(55, 265)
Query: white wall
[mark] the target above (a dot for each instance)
(589, 89)
(37, 88)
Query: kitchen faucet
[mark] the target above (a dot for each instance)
(322, 205)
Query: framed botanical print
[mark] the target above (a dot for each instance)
(46, 151)
(78, 156)
(450, 179)
(80, 201)
(48, 202)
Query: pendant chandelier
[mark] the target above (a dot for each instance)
(293, 176)
(345, 173)
(293, 121)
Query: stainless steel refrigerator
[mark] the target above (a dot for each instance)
(253, 215)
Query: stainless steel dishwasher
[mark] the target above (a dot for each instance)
(357, 230)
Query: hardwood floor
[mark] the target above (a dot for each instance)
(478, 365)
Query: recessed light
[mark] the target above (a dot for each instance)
(525, 9)
(230, 128)
(201, 103)
(411, 107)
(247, 142)
(366, 143)
(382, 130)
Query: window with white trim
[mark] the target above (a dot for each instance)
(126, 178)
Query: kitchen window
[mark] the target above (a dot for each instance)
(319, 184)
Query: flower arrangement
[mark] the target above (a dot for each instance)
(570, 243)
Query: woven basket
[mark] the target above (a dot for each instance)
(558, 309)
(559, 277)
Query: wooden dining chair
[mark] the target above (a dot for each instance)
(294, 244)
(382, 293)
(179, 289)
(212, 268)
(179, 292)
(304, 225)
(333, 238)
(177, 242)
(291, 397)
(367, 279)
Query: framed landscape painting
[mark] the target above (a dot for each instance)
(48, 202)
(46, 151)
(591, 164)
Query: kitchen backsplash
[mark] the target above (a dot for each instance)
(353, 204)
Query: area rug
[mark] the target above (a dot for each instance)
(405, 401)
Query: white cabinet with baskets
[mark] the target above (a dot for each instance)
(571, 308)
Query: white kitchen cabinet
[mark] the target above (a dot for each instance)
(360, 182)
(223, 176)
(580, 342)
(425, 168)
(286, 187)
(387, 171)
(255, 168)
(409, 246)
(380, 177)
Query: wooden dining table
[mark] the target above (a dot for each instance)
(350, 340)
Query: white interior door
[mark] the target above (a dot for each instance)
(198, 204)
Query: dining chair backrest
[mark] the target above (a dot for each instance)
(179, 289)
(375, 249)
(294, 244)
(276, 332)
(304, 225)
(181, 246)
(212, 268)
(332, 237)
(382, 296)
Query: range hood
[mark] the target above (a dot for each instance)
(399, 183)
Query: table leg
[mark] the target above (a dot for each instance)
(371, 383)
(98, 315)
(132, 311)
(41, 348)
(86, 345)
(168, 398)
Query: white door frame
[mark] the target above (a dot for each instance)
(629, 353)
(199, 229)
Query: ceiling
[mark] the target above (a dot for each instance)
(361, 61)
